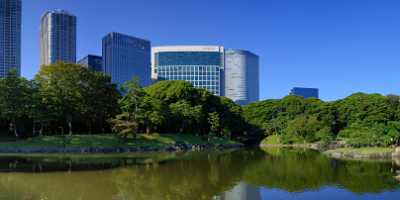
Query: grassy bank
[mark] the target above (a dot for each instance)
(275, 141)
(157, 142)
(334, 149)
(361, 153)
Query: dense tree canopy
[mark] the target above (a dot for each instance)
(360, 119)
(68, 98)
(59, 96)
(176, 106)
(14, 99)
(73, 93)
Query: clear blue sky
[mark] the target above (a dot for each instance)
(339, 46)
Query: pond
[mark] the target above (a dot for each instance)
(237, 175)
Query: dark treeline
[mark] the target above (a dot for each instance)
(62, 98)
(359, 120)
(70, 99)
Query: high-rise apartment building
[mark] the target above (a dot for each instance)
(241, 76)
(202, 66)
(92, 62)
(57, 37)
(125, 57)
(10, 36)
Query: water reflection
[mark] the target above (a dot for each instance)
(241, 191)
(240, 175)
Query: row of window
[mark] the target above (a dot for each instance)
(189, 67)
(182, 77)
(188, 58)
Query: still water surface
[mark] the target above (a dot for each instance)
(239, 175)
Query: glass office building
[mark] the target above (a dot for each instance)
(57, 37)
(10, 36)
(241, 76)
(125, 57)
(305, 92)
(202, 66)
(92, 62)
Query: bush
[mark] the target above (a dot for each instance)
(359, 135)
(291, 139)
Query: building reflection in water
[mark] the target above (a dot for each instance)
(241, 191)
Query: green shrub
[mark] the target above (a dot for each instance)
(359, 135)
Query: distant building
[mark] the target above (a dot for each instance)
(10, 36)
(202, 66)
(92, 62)
(125, 57)
(241, 76)
(231, 73)
(57, 37)
(305, 92)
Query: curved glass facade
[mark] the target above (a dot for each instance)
(201, 66)
(241, 76)
(10, 36)
(57, 37)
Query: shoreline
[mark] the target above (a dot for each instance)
(116, 150)
(108, 144)
(342, 152)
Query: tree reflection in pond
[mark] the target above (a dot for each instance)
(297, 170)
(240, 175)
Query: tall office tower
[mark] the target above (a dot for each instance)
(92, 62)
(57, 37)
(202, 66)
(10, 36)
(242, 76)
(305, 92)
(125, 57)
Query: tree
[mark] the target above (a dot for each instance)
(39, 111)
(214, 121)
(188, 109)
(366, 108)
(124, 125)
(100, 101)
(14, 99)
(72, 92)
(173, 91)
(231, 117)
(132, 113)
(186, 115)
(154, 112)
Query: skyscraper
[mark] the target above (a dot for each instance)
(202, 66)
(10, 36)
(305, 92)
(125, 57)
(241, 76)
(57, 37)
(92, 62)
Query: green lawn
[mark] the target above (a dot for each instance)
(111, 141)
(363, 151)
(271, 140)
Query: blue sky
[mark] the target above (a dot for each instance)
(339, 46)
